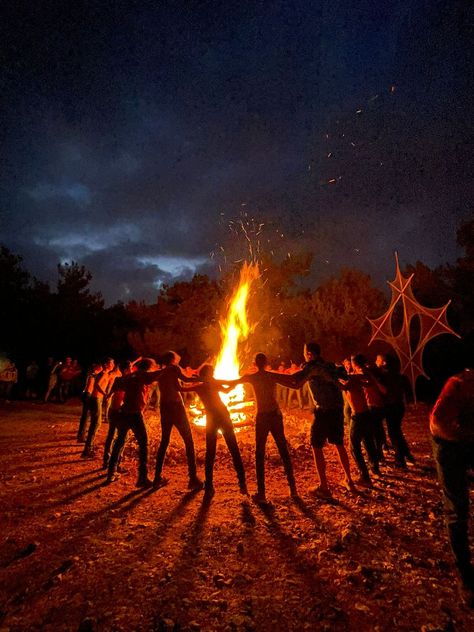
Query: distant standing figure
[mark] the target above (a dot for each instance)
(8, 378)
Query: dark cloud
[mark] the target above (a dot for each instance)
(135, 133)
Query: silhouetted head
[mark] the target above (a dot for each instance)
(170, 357)
(206, 371)
(359, 361)
(312, 351)
(146, 364)
(261, 361)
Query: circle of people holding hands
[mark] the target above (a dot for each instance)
(357, 392)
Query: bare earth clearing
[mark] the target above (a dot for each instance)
(78, 556)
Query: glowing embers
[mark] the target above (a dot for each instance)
(235, 329)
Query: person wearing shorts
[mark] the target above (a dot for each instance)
(328, 423)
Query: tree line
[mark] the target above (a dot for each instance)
(38, 321)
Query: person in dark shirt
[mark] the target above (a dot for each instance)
(328, 423)
(217, 418)
(173, 413)
(130, 417)
(398, 391)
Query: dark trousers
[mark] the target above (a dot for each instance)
(212, 428)
(84, 414)
(265, 424)
(135, 423)
(95, 407)
(394, 415)
(453, 459)
(361, 432)
(378, 415)
(174, 414)
(114, 419)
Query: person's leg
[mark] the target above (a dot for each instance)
(122, 431)
(377, 416)
(345, 464)
(233, 446)
(452, 460)
(369, 441)
(141, 435)
(110, 437)
(83, 420)
(318, 439)
(211, 444)
(278, 433)
(96, 413)
(356, 434)
(182, 425)
(166, 426)
(261, 434)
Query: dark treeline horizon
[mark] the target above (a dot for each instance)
(72, 320)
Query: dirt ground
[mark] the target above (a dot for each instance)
(76, 555)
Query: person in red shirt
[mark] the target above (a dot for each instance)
(115, 403)
(452, 430)
(361, 422)
(134, 387)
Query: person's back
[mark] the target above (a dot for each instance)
(323, 384)
(264, 385)
(169, 384)
(452, 417)
(208, 392)
(135, 390)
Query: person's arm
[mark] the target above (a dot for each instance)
(184, 378)
(189, 389)
(136, 361)
(284, 379)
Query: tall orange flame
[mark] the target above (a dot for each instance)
(235, 329)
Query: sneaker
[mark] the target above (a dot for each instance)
(294, 492)
(121, 470)
(209, 490)
(466, 592)
(364, 481)
(87, 454)
(144, 482)
(410, 459)
(401, 465)
(348, 485)
(321, 492)
(259, 498)
(160, 481)
(111, 479)
(195, 484)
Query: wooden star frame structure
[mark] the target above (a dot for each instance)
(433, 322)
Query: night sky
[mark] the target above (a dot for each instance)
(133, 133)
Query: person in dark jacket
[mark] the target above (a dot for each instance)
(328, 423)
